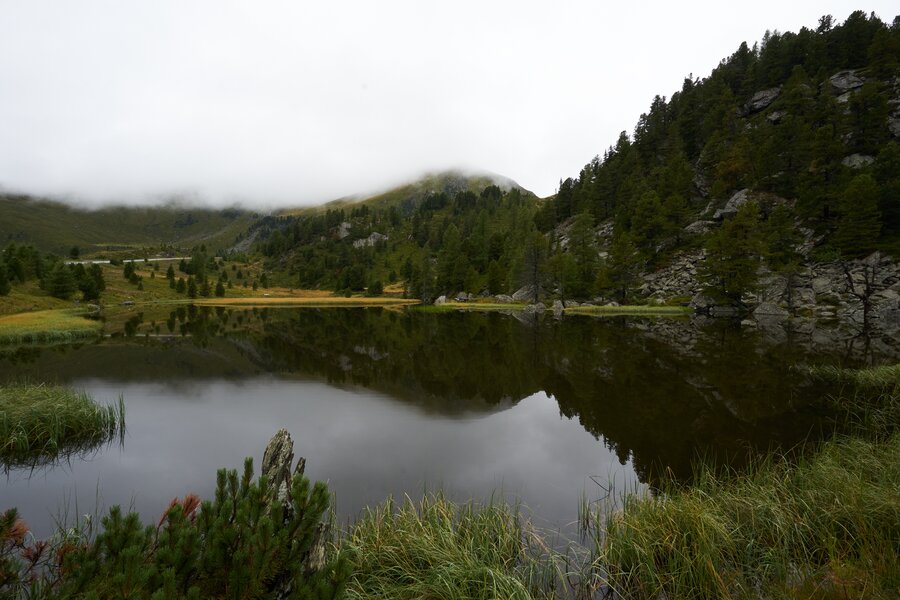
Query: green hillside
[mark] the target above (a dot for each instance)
(475, 223)
(56, 227)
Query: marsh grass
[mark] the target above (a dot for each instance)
(47, 326)
(865, 402)
(435, 548)
(826, 527)
(40, 424)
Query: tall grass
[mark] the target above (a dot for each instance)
(44, 423)
(827, 527)
(435, 548)
(47, 326)
(866, 402)
(885, 377)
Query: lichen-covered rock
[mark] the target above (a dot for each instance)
(277, 461)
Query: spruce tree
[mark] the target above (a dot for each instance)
(5, 286)
(61, 282)
(733, 256)
(859, 225)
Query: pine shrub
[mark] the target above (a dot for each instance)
(250, 541)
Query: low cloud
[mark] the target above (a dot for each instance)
(291, 103)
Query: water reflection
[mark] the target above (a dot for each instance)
(385, 401)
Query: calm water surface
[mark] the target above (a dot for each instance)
(387, 403)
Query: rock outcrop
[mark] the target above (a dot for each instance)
(761, 100)
(845, 81)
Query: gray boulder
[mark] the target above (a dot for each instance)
(844, 81)
(440, 300)
(733, 205)
(769, 311)
(760, 100)
(504, 299)
(894, 126)
(776, 116)
(858, 161)
(699, 227)
(526, 292)
(701, 302)
(558, 307)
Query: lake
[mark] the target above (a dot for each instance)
(383, 402)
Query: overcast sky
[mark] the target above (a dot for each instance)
(273, 103)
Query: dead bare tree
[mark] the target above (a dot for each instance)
(865, 284)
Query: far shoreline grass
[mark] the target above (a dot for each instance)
(47, 326)
(606, 310)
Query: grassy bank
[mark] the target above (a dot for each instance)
(435, 548)
(650, 311)
(312, 302)
(47, 326)
(41, 423)
(825, 528)
(637, 310)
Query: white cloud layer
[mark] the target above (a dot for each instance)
(298, 103)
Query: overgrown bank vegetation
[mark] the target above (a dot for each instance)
(43, 423)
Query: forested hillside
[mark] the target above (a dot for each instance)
(786, 153)
(445, 232)
(812, 117)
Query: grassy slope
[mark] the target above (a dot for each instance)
(56, 227)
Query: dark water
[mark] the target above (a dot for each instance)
(385, 402)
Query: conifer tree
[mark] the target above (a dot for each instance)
(5, 286)
(733, 256)
(859, 225)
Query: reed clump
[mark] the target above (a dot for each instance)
(826, 527)
(435, 548)
(43, 423)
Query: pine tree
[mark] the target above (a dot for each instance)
(220, 289)
(623, 264)
(733, 256)
(5, 286)
(859, 225)
(534, 254)
(61, 282)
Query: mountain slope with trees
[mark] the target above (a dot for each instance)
(787, 153)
